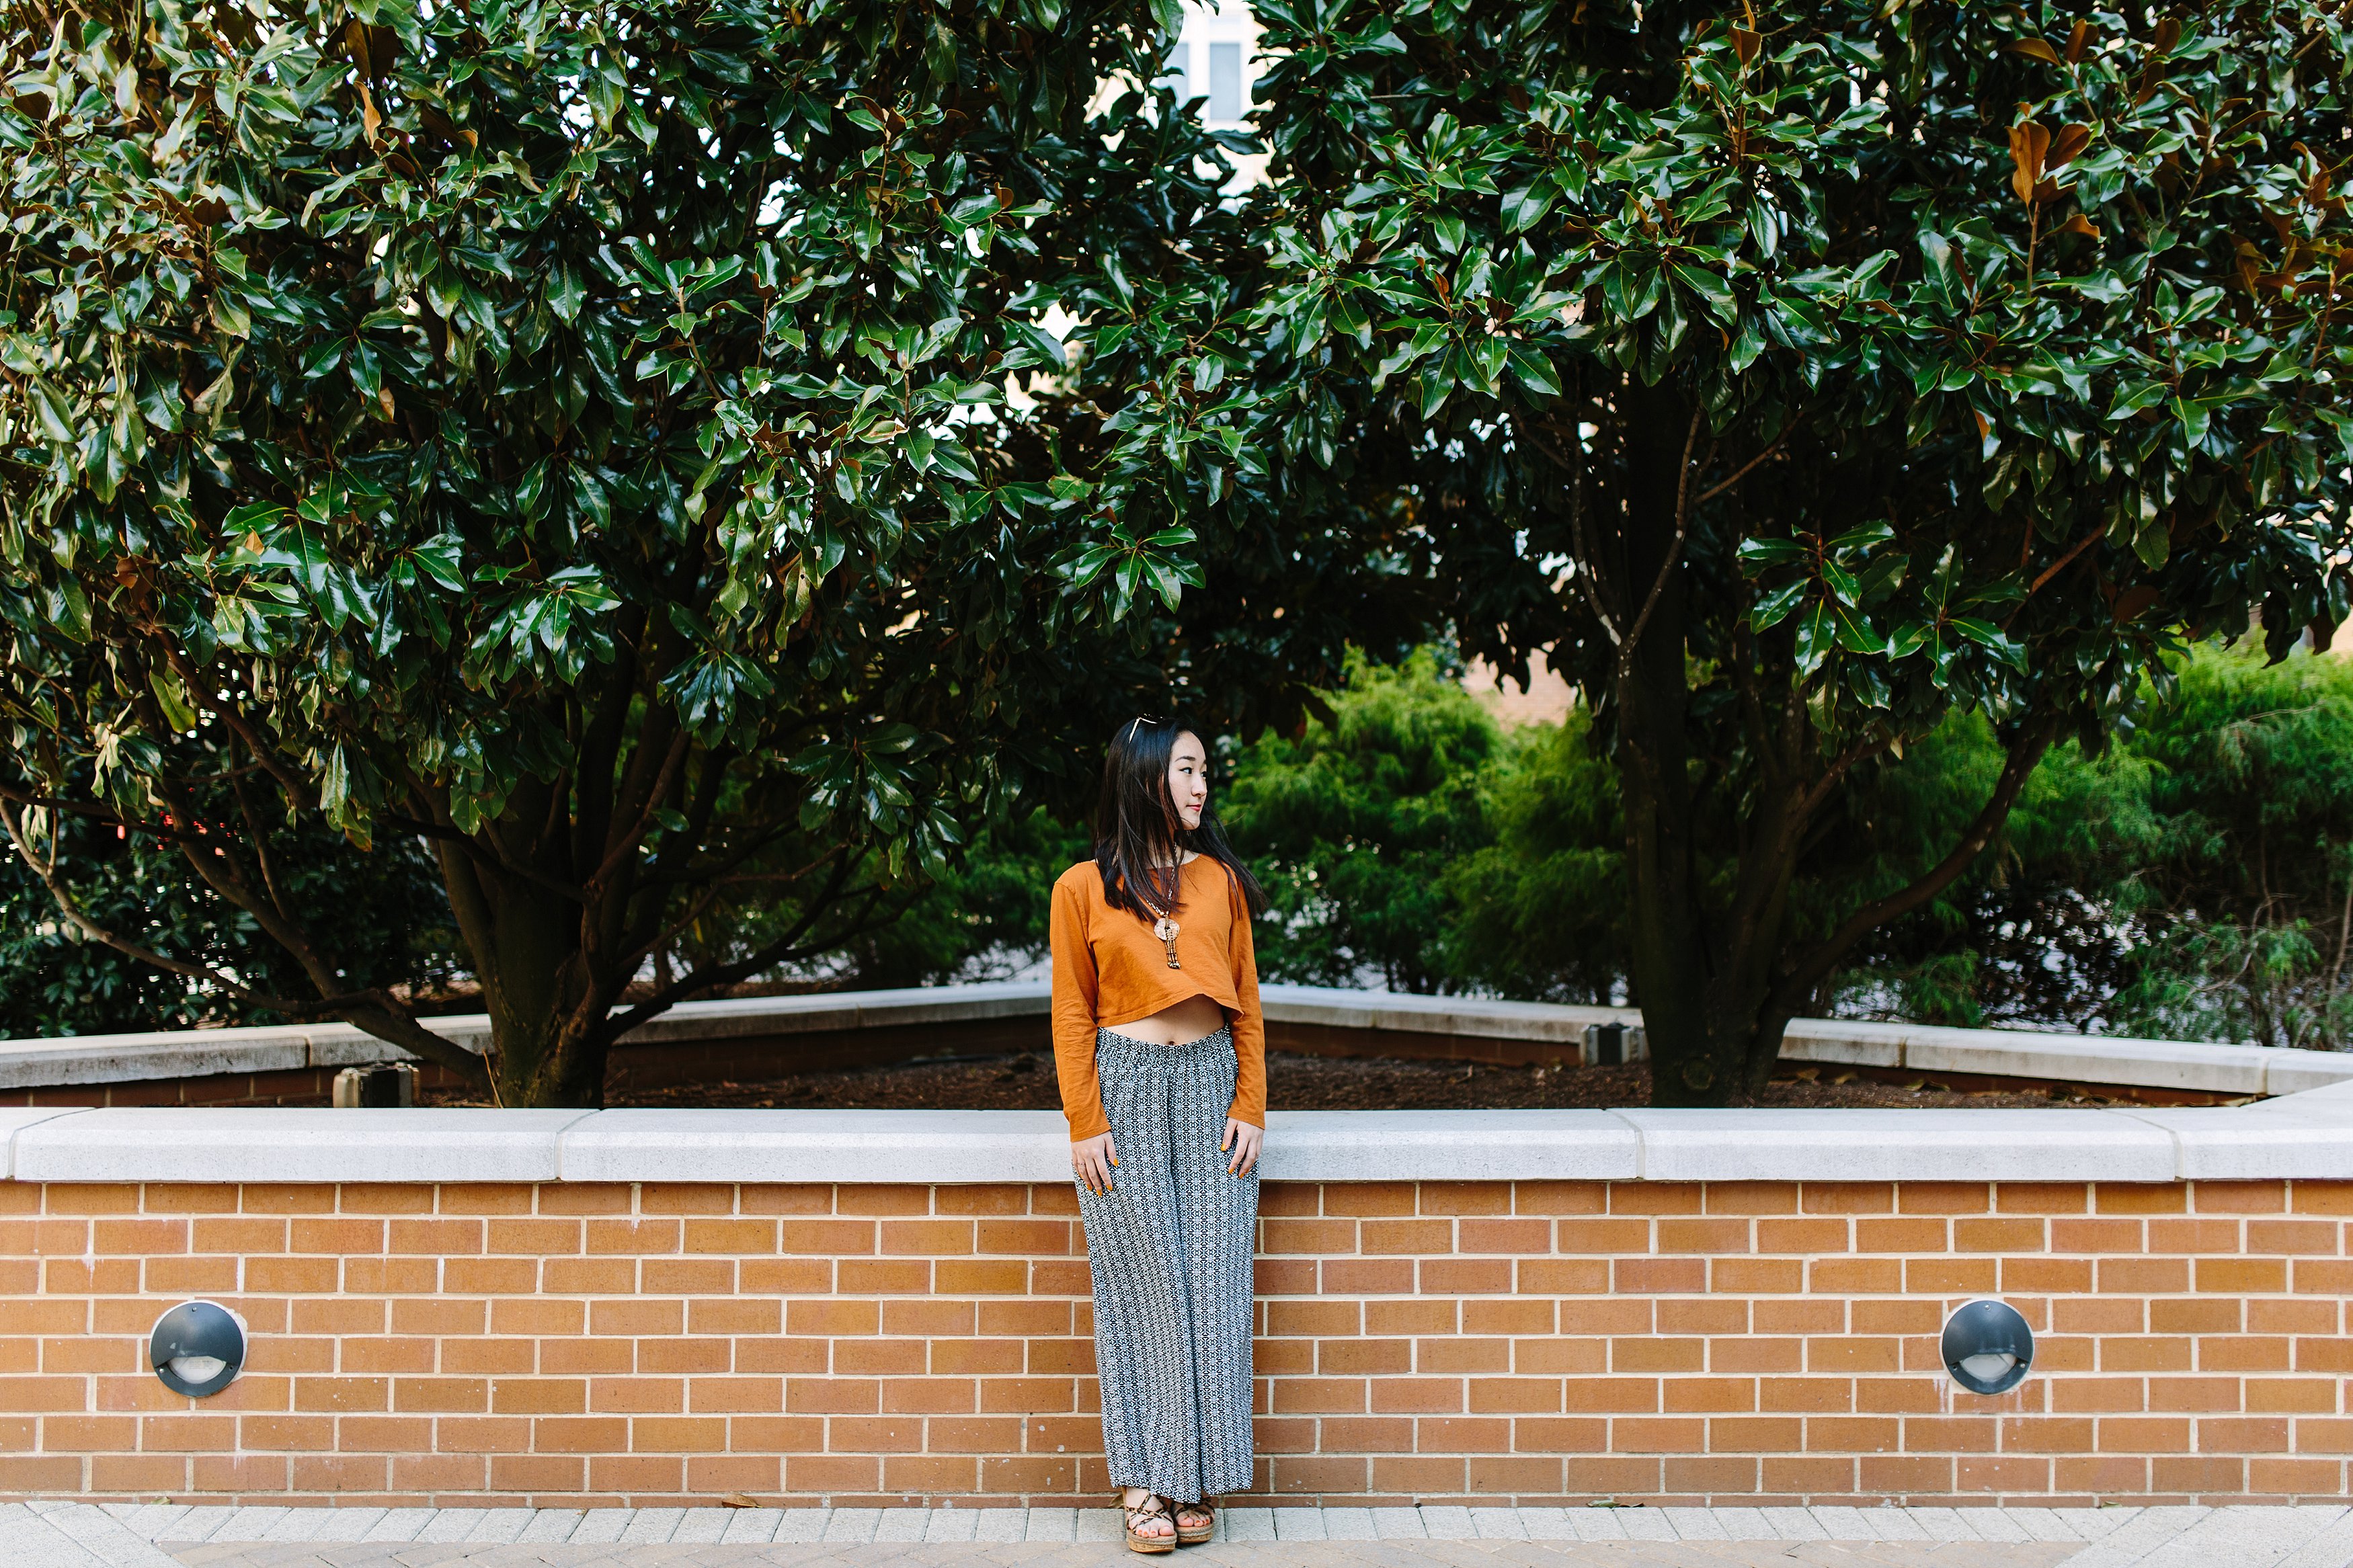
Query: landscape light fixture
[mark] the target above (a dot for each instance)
(197, 1348)
(1987, 1347)
(384, 1085)
(1615, 1045)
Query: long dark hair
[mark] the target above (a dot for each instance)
(1140, 841)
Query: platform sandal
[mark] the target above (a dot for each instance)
(1153, 1506)
(1194, 1534)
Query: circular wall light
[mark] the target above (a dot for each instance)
(1987, 1347)
(197, 1348)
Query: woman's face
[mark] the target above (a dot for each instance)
(1189, 779)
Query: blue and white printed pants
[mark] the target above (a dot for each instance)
(1169, 1249)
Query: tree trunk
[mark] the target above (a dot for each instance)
(1691, 1060)
(525, 939)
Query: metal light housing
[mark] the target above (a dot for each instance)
(197, 1348)
(1987, 1347)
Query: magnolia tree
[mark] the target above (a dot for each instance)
(1797, 377)
(619, 443)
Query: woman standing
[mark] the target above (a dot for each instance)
(1162, 1058)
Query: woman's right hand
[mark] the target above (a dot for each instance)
(1091, 1160)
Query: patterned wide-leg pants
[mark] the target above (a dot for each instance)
(1169, 1247)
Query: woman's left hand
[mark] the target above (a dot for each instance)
(1242, 1142)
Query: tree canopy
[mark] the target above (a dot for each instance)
(685, 456)
(624, 444)
(1798, 377)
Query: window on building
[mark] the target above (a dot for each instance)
(1176, 76)
(1225, 82)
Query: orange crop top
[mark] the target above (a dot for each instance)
(1109, 969)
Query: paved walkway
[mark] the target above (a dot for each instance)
(118, 1535)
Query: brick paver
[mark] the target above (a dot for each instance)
(122, 1535)
(1216, 1555)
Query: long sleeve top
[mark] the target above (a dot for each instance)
(1109, 969)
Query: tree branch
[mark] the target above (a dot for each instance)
(2052, 571)
(1675, 555)
(625, 843)
(1801, 980)
(16, 795)
(382, 1017)
(1870, 745)
(1589, 571)
(47, 871)
(255, 743)
(711, 975)
(1742, 472)
(495, 856)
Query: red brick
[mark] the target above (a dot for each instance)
(833, 1395)
(2311, 1479)
(1564, 1276)
(1560, 1197)
(1356, 1357)
(829, 1237)
(1615, 1238)
(2198, 1474)
(883, 1277)
(990, 1277)
(1466, 1353)
(1314, 1318)
(1304, 1395)
(1716, 1234)
(2240, 1197)
(1319, 1238)
(1414, 1395)
(2007, 1235)
(1369, 1198)
(1651, 1275)
(928, 1237)
(1288, 1199)
(2307, 1197)
(1498, 1235)
(1375, 1276)
(1655, 1197)
(1406, 1317)
(1465, 1275)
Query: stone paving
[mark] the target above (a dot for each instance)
(117, 1535)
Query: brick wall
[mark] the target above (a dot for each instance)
(270, 1086)
(1536, 1342)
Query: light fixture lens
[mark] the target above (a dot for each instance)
(197, 1348)
(1987, 1346)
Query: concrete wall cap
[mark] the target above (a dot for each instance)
(1332, 1007)
(1888, 1145)
(1449, 1145)
(685, 1145)
(2280, 1140)
(237, 1143)
(15, 1118)
(2333, 1094)
(2307, 1072)
(202, 1144)
(1804, 1041)
(2077, 1059)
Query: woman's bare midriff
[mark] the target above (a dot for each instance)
(1175, 1025)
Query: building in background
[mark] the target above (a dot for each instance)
(1212, 61)
(1213, 66)
(1546, 699)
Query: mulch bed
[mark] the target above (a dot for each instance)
(1299, 1082)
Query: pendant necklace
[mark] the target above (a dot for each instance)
(1166, 928)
